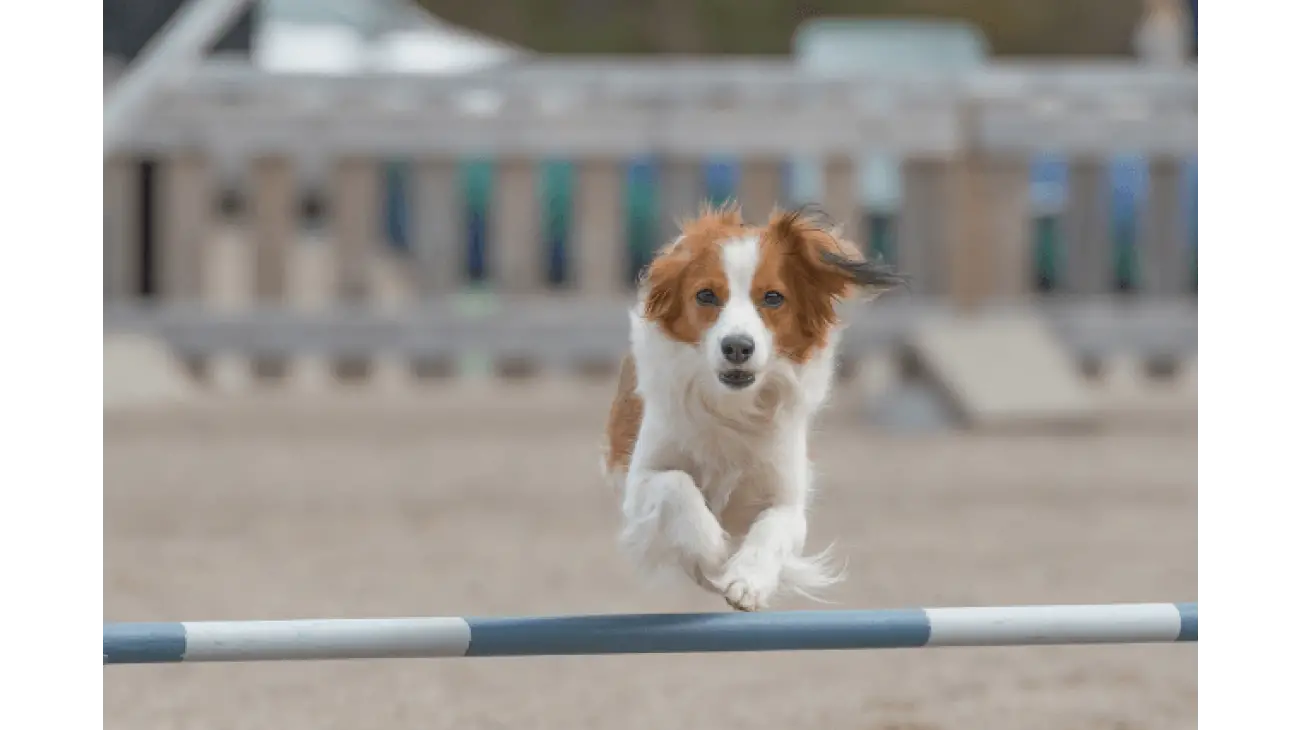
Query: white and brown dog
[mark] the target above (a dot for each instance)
(732, 353)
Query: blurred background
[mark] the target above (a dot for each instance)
(366, 270)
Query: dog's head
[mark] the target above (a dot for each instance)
(750, 297)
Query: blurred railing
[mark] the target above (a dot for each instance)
(964, 231)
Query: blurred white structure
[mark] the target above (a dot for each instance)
(349, 36)
(1163, 36)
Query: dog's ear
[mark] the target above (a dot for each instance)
(871, 278)
(837, 263)
(661, 281)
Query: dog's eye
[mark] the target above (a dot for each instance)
(706, 298)
(773, 299)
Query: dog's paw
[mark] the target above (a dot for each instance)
(745, 596)
(749, 584)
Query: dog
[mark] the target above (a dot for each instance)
(733, 339)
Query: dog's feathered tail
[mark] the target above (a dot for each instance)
(807, 575)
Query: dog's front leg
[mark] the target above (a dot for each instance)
(666, 522)
(753, 575)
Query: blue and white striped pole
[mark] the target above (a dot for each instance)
(238, 641)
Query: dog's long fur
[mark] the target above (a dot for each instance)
(715, 475)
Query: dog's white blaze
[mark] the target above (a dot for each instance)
(739, 315)
(740, 261)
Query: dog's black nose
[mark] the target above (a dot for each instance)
(737, 348)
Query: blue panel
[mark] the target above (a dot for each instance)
(144, 643)
(708, 632)
(1190, 613)
(721, 179)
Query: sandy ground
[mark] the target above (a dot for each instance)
(488, 502)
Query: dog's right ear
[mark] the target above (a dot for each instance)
(661, 282)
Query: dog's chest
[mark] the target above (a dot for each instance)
(731, 467)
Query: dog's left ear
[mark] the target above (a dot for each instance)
(872, 278)
(807, 232)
